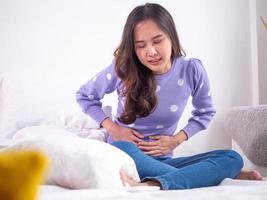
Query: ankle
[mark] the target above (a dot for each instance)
(152, 183)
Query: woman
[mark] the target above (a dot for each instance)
(154, 80)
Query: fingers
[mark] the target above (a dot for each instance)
(154, 150)
(154, 153)
(148, 148)
(152, 143)
(155, 137)
(136, 137)
(136, 140)
(122, 176)
(137, 134)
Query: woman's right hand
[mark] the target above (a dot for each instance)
(121, 133)
(126, 134)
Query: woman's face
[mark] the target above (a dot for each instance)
(152, 46)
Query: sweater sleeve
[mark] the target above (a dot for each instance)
(90, 94)
(201, 99)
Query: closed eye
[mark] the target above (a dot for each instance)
(157, 41)
(140, 46)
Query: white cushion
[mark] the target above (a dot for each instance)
(80, 124)
(76, 162)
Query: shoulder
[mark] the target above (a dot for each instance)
(189, 62)
(189, 65)
(193, 66)
(110, 68)
(107, 77)
(191, 69)
(108, 72)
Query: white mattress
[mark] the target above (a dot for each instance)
(229, 189)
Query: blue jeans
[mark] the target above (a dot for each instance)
(201, 170)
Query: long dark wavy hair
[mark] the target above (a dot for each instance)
(139, 86)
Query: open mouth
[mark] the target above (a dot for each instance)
(155, 61)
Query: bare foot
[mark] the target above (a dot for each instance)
(128, 181)
(250, 175)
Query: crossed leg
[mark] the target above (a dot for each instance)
(192, 169)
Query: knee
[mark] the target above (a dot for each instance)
(236, 159)
(127, 147)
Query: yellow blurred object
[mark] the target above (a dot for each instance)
(21, 172)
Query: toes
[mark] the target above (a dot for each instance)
(122, 177)
(257, 175)
(126, 181)
(250, 175)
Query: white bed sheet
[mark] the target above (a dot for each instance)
(228, 190)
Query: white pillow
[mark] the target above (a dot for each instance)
(80, 124)
(76, 162)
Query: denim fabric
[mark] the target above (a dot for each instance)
(201, 170)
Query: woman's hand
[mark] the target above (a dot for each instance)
(121, 133)
(162, 144)
(126, 134)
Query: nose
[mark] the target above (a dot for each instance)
(151, 51)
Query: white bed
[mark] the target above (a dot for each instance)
(229, 189)
(38, 101)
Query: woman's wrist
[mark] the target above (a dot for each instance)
(180, 137)
(109, 125)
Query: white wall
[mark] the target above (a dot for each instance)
(254, 52)
(78, 37)
(261, 11)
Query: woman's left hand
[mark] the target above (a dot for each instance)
(161, 145)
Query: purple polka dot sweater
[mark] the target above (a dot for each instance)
(186, 77)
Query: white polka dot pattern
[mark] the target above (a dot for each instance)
(158, 88)
(180, 82)
(109, 76)
(159, 126)
(173, 91)
(91, 97)
(201, 85)
(209, 93)
(202, 110)
(196, 118)
(174, 108)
